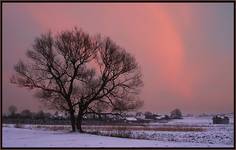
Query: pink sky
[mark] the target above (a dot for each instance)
(185, 50)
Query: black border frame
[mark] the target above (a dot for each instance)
(120, 1)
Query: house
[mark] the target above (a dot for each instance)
(149, 115)
(220, 119)
(130, 119)
(162, 117)
(140, 116)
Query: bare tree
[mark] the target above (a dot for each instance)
(75, 72)
(12, 110)
(176, 114)
(26, 113)
(40, 115)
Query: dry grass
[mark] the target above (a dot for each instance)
(53, 128)
(126, 131)
(173, 128)
(125, 128)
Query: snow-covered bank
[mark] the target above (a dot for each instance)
(15, 137)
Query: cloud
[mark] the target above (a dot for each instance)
(185, 55)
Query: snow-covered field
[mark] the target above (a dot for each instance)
(210, 136)
(15, 137)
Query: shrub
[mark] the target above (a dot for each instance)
(18, 125)
(176, 114)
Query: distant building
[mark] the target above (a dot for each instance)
(130, 119)
(140, 116)
(149, 115)
(162, 117)
(220, 119)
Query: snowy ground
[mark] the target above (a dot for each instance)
(210, 136)
(15, 137)
(214, 133)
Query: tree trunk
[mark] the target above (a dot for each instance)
(79, 121)
(72, 120)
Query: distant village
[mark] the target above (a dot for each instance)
(28, 117)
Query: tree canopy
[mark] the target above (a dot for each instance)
(78, 73)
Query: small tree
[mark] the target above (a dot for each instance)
(26, 113)
(40, 115)
(12, 110)
(176, 114)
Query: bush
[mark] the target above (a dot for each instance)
(176, 114)
(18, 125)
